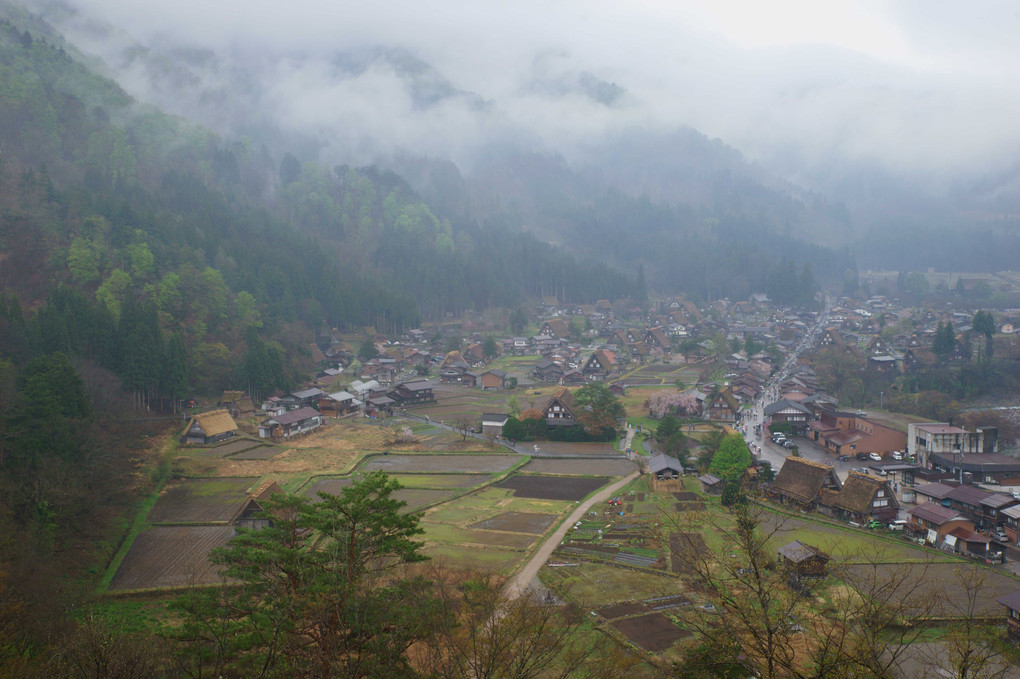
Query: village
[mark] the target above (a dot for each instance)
(445, 410)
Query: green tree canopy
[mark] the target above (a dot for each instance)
(669, 435)
(367, 350)
(732, 459)
(309, 598)
(597, 408)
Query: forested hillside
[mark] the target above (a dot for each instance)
(210, 242)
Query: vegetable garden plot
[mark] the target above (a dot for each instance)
(552, 487)
(518, 522)
(171, 556)
(683, 546)
(689, 506)
(202, 500)
(652, 632)
(687, 497)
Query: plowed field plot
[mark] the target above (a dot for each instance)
(484, 537)
(518, 522)
(552, 487)
(636, 560)
(641, 381)
(171, 556)
(392, 464)
(232, 447)
(620, 610)
(653, 632)
(939, 580)
(259, 453)
(202, 500)
(610, 467)
(689, 506)
(684, 547)
(687, 497)
(663, 602)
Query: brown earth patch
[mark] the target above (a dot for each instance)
(684, 547)
(621, 610)
(552, 487)
(687, 497)
(653, 632)
(171, 556)
(512, 540)
(518, 522)
(689, 506)
(601, 467)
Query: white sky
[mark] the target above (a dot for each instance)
(923, 85)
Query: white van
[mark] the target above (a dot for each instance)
(897, 455)
(898, 524)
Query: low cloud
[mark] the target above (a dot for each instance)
(443, 78)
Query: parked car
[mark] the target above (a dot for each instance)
(875, 524)
(844, 458)
(897, 455)
(875, 456)
(898, 524)
(862, 456)
(787, 443)
(861, 413)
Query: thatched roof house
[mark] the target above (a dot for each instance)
(210, 427)
(800, 481)
(862, 497)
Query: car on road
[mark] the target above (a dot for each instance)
(875, 456)
(861, 413)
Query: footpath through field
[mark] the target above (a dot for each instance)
(519, 583)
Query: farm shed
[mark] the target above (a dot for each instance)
(665, 467)
(492, 423)
(210, 427)
(803, 559)
(712, 485)
(1012, 604)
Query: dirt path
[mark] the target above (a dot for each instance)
(519, 583)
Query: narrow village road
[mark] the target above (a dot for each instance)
(519, 583)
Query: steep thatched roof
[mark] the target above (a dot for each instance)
(215, 422)
(859, 491)
(801, 480)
